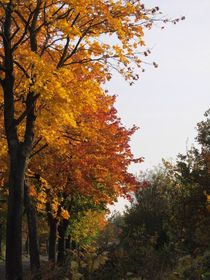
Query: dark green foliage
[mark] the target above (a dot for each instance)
(165, 234)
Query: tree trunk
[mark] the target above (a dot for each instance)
(68, 243)
(17, 160)
(19, 152)
(26, 246)
(61, 241)
(52, 238)
(32, 232)
(1, 238)
(14, 216)
(73, 245)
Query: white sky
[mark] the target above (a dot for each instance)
(167, 102)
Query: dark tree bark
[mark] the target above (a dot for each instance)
(73, 245)
(14, 216)
(68, 243)
(17, 161)
(52, 238)
(32, 232)
(27, 246)
(19, 152)
(19, 156)
(61, 241)
(1, 238)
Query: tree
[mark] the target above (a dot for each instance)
(44, 46)
(92, 165)
(167, 224)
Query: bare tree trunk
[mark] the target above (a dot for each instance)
(32, 233)
(19, 152)
(68, 243)
(73, 245)
(26, 247)
(1, 239)
(61, 241)
(17, 160)
(52, 238)
(14, 216)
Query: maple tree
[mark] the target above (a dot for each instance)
(92, 166)
(53, 55)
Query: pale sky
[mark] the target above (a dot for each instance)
(167, 102)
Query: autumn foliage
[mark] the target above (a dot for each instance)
(63, 148)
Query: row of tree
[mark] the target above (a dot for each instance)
(164, 235)
(64, 151)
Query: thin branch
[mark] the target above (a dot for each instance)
(17, 29)
(77, 44)
(65, 50)
(72, 138)
(76, 18)
(39, 150)
(26, 22)
(60, 8)
(47, 46)
(22, 69)
(37, 142)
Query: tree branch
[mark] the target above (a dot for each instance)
(26, 23)
(39, 150)
(29, 108)
(22, 69)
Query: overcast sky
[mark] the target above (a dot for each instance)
(167, 102)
